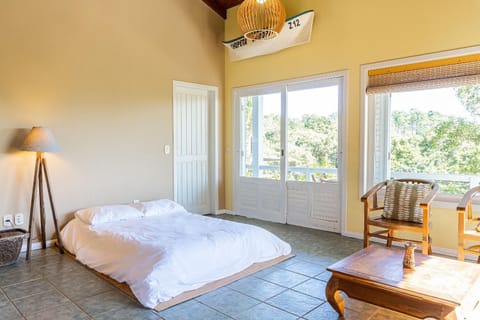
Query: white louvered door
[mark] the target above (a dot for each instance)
(191, 149)
(314, 205)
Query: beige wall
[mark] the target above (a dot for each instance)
(99, 74)
(347, 34)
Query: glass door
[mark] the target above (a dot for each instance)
(261, 131)
(287, 166)
(312, 187)
(260, 172)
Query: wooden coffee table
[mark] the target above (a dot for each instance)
(437, 287)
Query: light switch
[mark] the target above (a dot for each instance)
(167, 149)
(19, 219)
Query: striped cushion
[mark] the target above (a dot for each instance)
(402, 200)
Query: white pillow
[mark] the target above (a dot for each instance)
(102, 214)
(160, 207)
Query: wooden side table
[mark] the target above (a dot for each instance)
(437, 287)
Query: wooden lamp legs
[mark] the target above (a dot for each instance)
(39, 174)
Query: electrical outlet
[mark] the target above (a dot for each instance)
(8, 220)
(19, 219)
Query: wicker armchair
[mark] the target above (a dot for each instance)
(417, 219)
(467, 230)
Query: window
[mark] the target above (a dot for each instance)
(261, 136)
(426, 125)
(312, 139)
(310, 111)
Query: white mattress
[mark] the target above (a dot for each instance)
(162, 256)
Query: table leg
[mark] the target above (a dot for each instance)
(333, 295)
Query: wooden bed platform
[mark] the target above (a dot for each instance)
(187, 295)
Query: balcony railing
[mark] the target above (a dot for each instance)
(309, 172)
(471, 180)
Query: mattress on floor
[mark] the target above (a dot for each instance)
(160, 257)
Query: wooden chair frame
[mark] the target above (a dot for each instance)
(389, 227)
(465, 207)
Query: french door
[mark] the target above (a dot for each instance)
(288, 152)
(260, 183)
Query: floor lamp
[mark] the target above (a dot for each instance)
(41, 140)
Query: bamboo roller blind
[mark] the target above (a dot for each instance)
(459, 71)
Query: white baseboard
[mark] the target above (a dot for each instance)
(38, 245)
(222, 211)
(355, 235)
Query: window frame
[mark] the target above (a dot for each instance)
(319, 81)
(366, 117)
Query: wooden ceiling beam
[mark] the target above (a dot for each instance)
(221, 6)
(222, 11)
(231, 3)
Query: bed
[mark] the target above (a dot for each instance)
(162, 251)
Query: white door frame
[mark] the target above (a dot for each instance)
(342, 136)
(213, 103)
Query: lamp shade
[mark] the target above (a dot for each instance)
(261, 19)
(40, 139)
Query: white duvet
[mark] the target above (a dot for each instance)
(162, 256)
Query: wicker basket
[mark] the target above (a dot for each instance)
(10, 245)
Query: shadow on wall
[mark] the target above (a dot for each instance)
(16, 173)
(16, 140)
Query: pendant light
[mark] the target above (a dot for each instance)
(261, 19)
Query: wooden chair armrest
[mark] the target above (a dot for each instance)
(467, 198)
(368, 215)
(373, 190)
(429, 197)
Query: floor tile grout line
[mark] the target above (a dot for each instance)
(276, 307)
(308, 294)
(11, 302)
(16, 283)
(302, 274)
(31, 295)
(283, 291)
(228, 316)
(22, 282)
(69, 299)
(296, 315)
(54, 289)
(269, 281)
(227, 287)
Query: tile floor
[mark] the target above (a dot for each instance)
(53, 286)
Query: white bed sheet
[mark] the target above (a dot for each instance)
(162, 256)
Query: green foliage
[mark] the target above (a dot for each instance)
(469, 96)
(429, 142)
(312, 140)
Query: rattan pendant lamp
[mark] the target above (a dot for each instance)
(261, 19)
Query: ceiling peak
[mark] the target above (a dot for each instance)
(221, 6)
